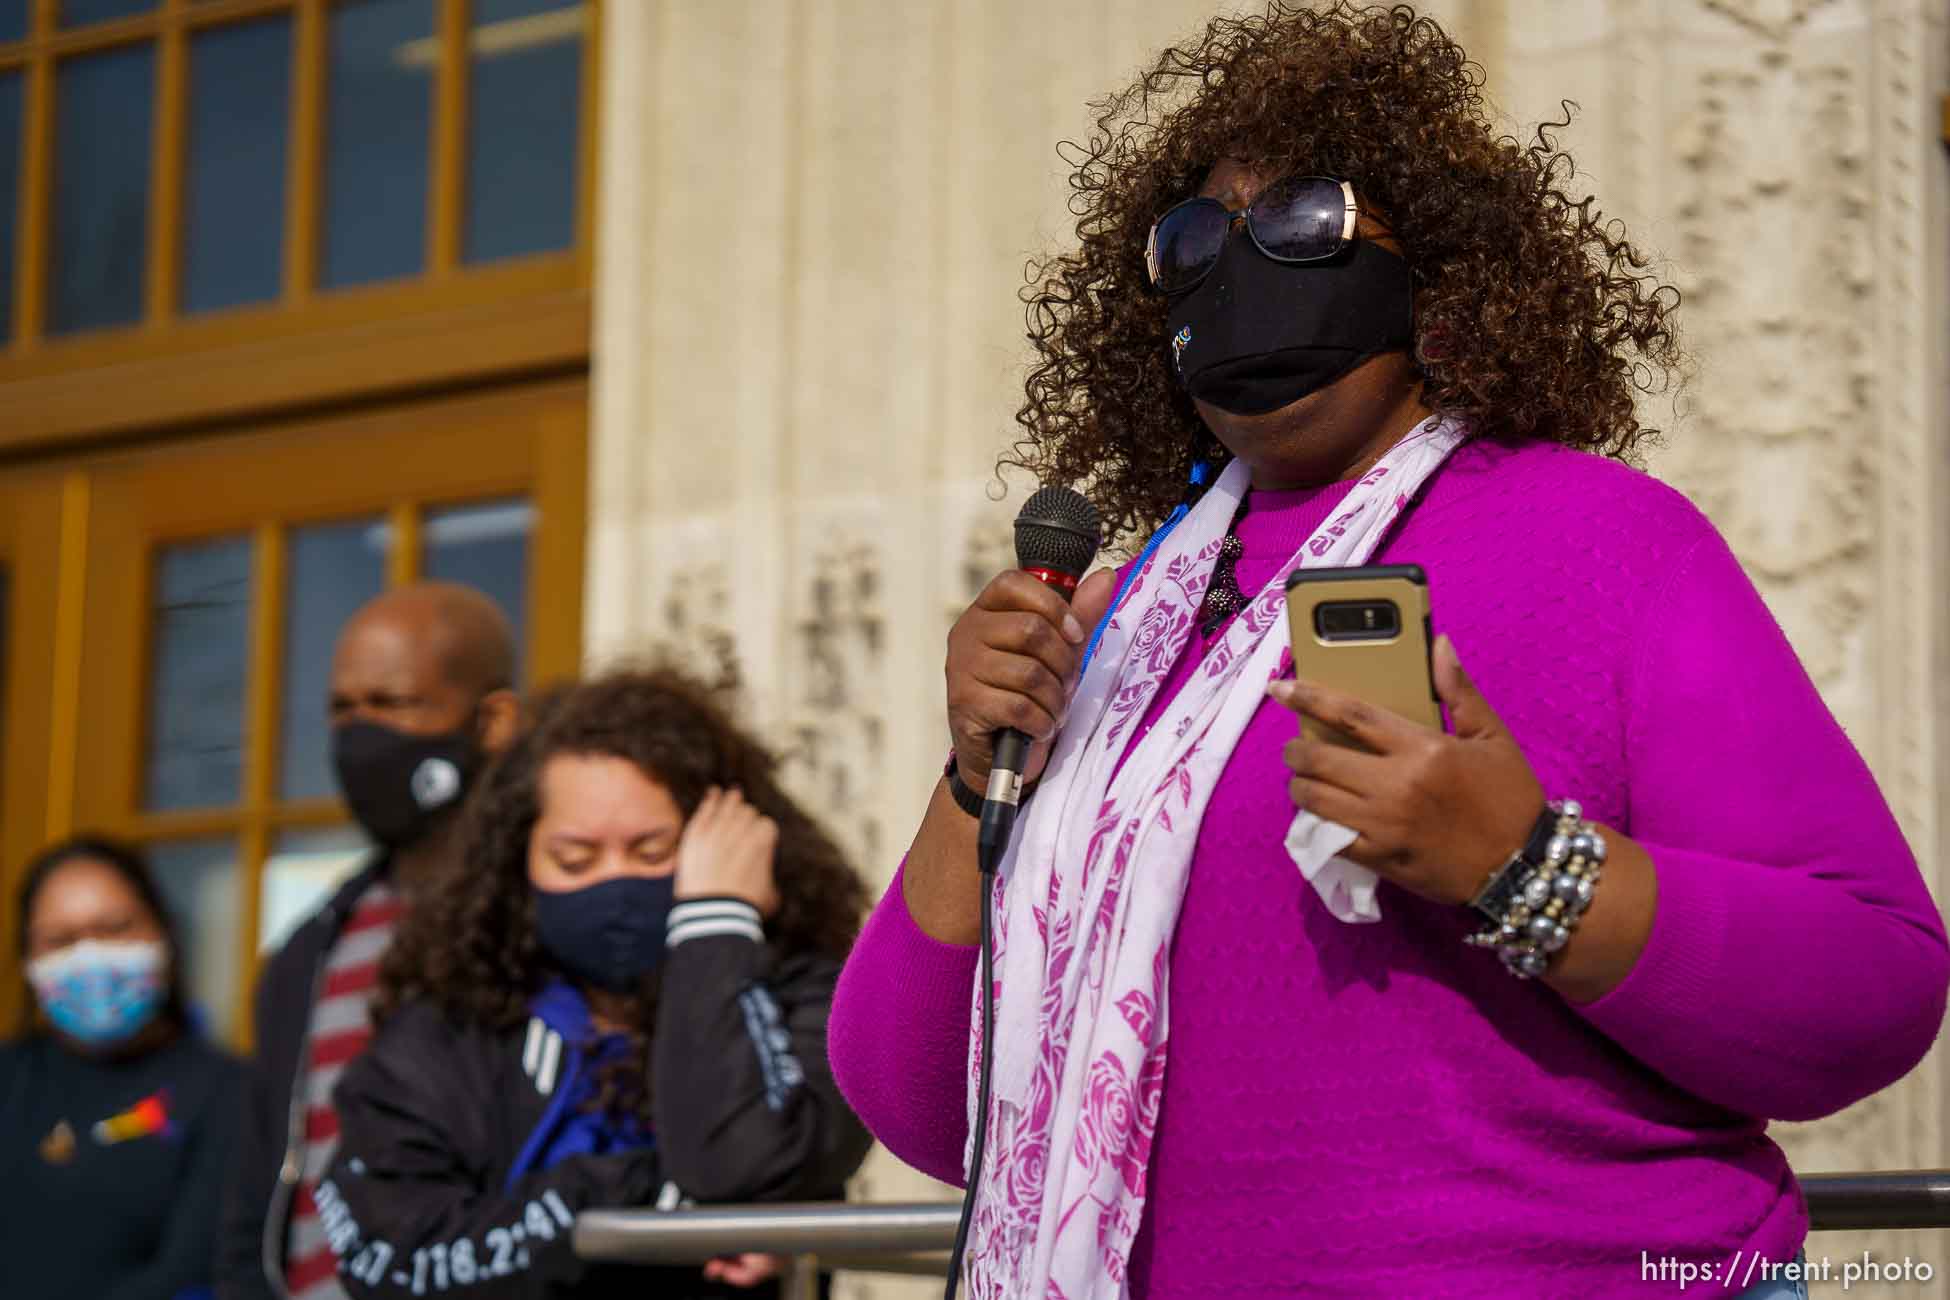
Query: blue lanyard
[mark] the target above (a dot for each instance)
(1200, 472)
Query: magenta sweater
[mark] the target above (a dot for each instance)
(1379, 1110)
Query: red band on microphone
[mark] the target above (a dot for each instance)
(1063, 582)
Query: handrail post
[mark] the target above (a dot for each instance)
(801, 1278)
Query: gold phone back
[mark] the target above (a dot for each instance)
(1392, 674)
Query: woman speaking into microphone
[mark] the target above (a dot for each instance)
(1500, 1009)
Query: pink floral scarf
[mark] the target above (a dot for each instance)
(1081, 960)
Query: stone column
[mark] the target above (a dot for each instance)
(1786, 162)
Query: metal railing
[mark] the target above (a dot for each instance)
(1914, 1198)
(914, 1239)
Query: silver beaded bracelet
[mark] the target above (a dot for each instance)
(1543, 901)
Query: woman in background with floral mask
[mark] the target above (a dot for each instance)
(118, 1116)
(621, 1002)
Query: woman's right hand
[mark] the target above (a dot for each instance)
(1013, 658)
(745, 1270)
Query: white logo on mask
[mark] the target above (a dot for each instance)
(435, 783)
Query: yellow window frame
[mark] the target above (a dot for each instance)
(80, 540)
(451, 324)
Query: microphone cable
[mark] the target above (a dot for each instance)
(1057, 535)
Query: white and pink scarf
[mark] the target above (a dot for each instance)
(1081, 959)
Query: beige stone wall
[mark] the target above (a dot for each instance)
(815, 216)
(1786, 160)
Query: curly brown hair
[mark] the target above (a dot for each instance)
(1535, 317)
(469, 946)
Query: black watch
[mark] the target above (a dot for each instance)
(966, 797)
(1493, 900)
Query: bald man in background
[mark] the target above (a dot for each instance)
(422, 697)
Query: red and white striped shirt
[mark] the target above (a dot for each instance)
(340, 1030)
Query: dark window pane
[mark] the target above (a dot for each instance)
(75, 13)
(13, 20)
(335, 568)
(486, 547)
(203, 890)
(101, 188)
(240, 89)
(524, 99)
(379, 107)
(200, 650)
(10, 90)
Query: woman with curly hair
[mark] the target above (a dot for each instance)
(621, 1001)
(1275, 1016)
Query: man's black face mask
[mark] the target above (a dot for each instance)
(1255, 334)
(399, 784)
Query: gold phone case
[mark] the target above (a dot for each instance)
(1390, 670)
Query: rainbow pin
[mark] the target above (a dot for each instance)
(148, 1116)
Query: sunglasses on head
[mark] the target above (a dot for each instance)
(1297, 219)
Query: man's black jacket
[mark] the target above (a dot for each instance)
(421, 1201)
(270, 1141)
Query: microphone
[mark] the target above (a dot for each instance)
(1057, 535)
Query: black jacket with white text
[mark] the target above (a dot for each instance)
(425, 1198)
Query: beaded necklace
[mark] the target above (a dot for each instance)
(1223, 598)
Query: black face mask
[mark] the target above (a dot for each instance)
(1256, 334)
(398, 784)
(609, 935)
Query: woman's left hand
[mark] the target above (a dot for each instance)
(744, 1270)
(1435, 813)
(727, 851)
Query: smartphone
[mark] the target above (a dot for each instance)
(1364, 631)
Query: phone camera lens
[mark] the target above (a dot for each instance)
(1357, 620)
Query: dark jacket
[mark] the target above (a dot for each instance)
(270, 1144)
(101, 1203)
(434, 1181)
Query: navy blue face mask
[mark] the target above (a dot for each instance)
(609, 935)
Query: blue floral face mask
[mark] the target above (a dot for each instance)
(99, 992)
